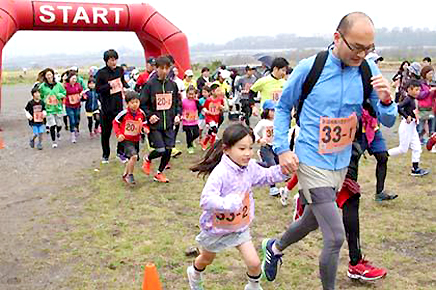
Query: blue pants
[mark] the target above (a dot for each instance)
(74, 116)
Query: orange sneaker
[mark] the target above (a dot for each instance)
(146, 166)
(160, 177)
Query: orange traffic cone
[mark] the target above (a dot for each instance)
(151, 278)
(2, 144)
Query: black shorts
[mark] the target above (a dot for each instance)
(162, 139)
(130, 148)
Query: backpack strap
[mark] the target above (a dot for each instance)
(311, 79)
(365, 72)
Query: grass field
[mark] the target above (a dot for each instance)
(110, 231)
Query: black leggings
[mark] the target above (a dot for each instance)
(165, 158)
(90, 121)
(53, 132)
(350, 217)
(192, 133)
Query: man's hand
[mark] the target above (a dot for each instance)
(153, 119)
(381, 86)
(121, 138)
(288, 162)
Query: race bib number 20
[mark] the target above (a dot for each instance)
(335, 134)
(164, 101)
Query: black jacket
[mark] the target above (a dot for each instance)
(111, 105)
(407, 107)
(32, 107)
(149, 105)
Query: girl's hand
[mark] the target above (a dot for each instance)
(409, 119)
(121, 138)
(233, 202)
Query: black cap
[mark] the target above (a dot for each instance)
(151, 61)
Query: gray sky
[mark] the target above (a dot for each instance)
(213, 21)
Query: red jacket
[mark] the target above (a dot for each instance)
(214, 108)
(129, 124)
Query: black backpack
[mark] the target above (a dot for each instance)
(315, 73)
(312, 78)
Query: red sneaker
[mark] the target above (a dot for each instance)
(160, 177)
(146, 166)
(365, 271)
(431, 142)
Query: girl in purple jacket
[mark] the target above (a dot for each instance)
(228, 204)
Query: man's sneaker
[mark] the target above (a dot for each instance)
(433, 150)
(54, 145)
(123, 159)
(419, 172)
(284, 195)
(365, 271)
(194, 284)
(274, 191)
(32, 143)
(168, 167)
(146, 166)
(383, 196)
(105, 160)
(270, 261)
(129, 179)
(160, 177)
(39, 146)
(431, 142)
(191, 150)
(298, 208)
(175, 152)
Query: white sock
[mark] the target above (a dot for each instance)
(276, 251)
(253, 281)
(197, 274)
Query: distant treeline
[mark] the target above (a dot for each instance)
(397, 37)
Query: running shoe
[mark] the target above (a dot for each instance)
(160, 177)
(73, 137)
(270, 260)
(32, 143)
(105, 160)
(419, 172)
(39, 146)
(168, 167)
(249, 287)
(191, 150)
(365, 271)
(123, 159)
(146, 166)
(129, 179)
(194, 284)
(175, 152)
(284, 195)
(383, 196)
(274, 191)
(54, 145)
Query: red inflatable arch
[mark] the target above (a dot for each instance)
(157, 35)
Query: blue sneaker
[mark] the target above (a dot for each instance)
(122, 158)
(270, 261)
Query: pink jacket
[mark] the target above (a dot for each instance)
(425, 98)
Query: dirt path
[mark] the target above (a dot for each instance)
(30, 180)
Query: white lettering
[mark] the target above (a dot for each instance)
(65, 11)
(99, 13)
(46, 10)
(117, 14)
(81, 15)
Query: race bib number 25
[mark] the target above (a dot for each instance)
(335, 134)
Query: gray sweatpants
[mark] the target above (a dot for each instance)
(321, 211)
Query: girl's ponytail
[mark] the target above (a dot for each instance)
(210, 159)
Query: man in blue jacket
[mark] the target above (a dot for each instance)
(323, 148)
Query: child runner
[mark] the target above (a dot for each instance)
(161, 104)
(228, 204)
(92, 108)
(52, 94)
(190, 107)
(127, 126)
(35, 113)
(212, 110)
(72, 104)
(264, 136)
(407, 132)
(205, 93)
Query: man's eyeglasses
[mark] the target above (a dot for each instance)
(358, 49)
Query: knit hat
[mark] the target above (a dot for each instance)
(425, 70)
(415, 68)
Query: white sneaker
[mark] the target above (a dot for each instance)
(249, 287)
(194, 284)
(284, 195)
(73, 137)
(433, 150)
(274, 191)
(54, 145)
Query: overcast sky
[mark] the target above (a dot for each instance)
(213, 21)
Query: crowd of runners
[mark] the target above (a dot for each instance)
(314, 124)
